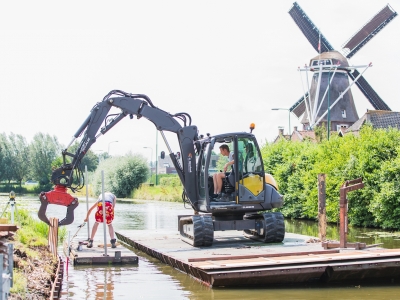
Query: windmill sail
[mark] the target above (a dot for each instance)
(368, 31)
(299, 107)
(369, 92)
(308, 28)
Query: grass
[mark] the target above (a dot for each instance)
(159, 192)
(34, 233)
(19, 284)
(31, 239)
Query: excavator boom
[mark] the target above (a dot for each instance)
(247, 192)
(99, 122)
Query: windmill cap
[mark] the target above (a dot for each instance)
(334, 55)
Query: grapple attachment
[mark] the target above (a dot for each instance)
(58, 196)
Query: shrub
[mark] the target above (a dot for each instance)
(373, 156)
(122, 175)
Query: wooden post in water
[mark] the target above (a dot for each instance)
(321, 207)
(348, 186)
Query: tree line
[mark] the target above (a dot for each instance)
(373, 155)
(21, 161)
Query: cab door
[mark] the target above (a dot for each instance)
(250, 170)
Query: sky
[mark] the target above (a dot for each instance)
(225, 63)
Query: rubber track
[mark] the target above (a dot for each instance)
(274, 227)
(208, 231)
(198, 225)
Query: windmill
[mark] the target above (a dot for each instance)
(329, 98)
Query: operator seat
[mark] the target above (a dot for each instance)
(227, 187)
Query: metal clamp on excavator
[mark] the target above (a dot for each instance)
(58, 196)
(62, 178)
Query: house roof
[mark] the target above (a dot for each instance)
(301, 135)
(378, 119)
(282, 136)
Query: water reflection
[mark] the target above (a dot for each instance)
(152, 279)
(370, 236)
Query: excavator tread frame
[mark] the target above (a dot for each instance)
(202, 229)
(273, 227)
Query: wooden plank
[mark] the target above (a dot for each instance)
(264, 262)
(290, 258)
(8, 227)
(262, 255)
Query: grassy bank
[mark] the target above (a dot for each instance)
(159, 192)
(169, 189)
(34, 265)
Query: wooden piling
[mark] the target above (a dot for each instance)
(56, 285)
(53, 236)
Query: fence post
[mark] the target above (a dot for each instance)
(11, 263)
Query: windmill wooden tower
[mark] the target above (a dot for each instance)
(329, 99)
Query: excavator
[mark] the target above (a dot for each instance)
(245, 204)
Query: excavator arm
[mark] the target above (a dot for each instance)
(98, 123)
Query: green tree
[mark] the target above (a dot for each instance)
(91, 160)
(6, 171)
(122, 174)
(222, 160)
(19, 157)
(44, 149)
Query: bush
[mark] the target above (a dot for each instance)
(373, 156)
(122, 175)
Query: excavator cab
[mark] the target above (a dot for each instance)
(244, 202)
(244, 182)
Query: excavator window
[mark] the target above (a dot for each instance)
(204, 184)
(250, 169)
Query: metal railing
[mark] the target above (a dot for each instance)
(6, 269)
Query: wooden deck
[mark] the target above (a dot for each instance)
(234, 260)
(96, 254)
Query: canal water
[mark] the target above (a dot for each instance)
(151, 279)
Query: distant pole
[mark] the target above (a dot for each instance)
(151, 163)
(104, 212)
(108, 152)
(329, 115)
(156, 157)
(322, 207)
(87, 203)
